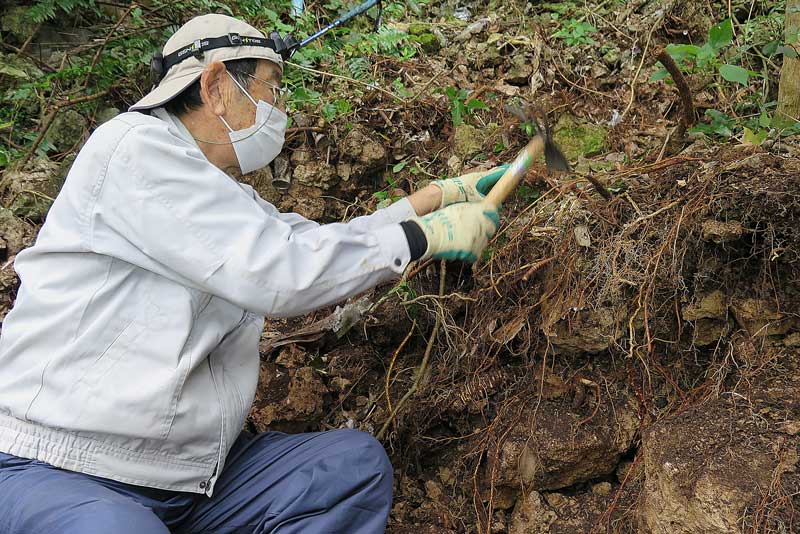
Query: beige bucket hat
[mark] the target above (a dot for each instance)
(199, 42)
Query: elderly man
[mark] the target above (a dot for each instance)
(130, 359)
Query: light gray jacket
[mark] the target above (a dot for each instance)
(131, 352)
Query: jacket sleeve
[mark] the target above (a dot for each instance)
(164, 207)
(396, 213)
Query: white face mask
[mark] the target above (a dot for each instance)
(258, 145)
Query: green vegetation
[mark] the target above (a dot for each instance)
(738, 62)
(462, 107)
(32, 87)
(576, 32)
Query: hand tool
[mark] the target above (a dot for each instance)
(542, 142)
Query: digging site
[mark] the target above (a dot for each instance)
(624, 354)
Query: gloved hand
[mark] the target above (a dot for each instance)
(470, 187)
(459, 231)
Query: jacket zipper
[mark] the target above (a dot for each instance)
(207, 483)
(221, 429)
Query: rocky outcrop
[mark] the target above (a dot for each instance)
(561, 445)
(726, 465)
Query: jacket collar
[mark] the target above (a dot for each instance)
(176, 123)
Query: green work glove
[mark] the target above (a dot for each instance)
(470, 187)
(459, 231)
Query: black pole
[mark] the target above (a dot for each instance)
(341, 20)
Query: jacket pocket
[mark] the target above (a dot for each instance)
(132, 388)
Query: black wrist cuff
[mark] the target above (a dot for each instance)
(417, 243)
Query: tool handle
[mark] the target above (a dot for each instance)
(511, 178)
(359, 9)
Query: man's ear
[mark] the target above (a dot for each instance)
(212, 87)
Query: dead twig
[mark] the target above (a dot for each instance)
(687, 106)
(422, 366)
(394, 359)
(102, 47)
(598, 186)
(39, 63)
(536, 266)
(674, 142)
(30, 38)
(656, 24)
(51, 117)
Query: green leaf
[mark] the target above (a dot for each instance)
(787, 51)
(380, 195)
(527, 127)
(474, 104)
(682, 51)
(734, 73)
(399, 166)
(770, 48)
(721, 34)
(660, 74)
(707, 54)
(329, 111)
(754, 138)
(457, 113)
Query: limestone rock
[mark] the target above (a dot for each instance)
(708, 468)
(488, 55)
(687, 494)
(467, 141)
(17, 69)
(721, 231)
(305, 392)
(67, 130)
(363, 147)
(106, 114)
(532, 516)
(579, 138)
(556, 513)
(429, 42)
(417, 28)
(372, 153)
(761, 318)
(709, 314)
(16, 22)
(311, 208)
(316, 174)
(289, 399)
(554, 452)
(502, 497)
(15, 234)
(520, 70)
(33, 186)
(260, 180)
(590, 330)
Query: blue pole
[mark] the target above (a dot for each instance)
(297, 8)
(347, 16)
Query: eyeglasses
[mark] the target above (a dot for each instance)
(278, 93)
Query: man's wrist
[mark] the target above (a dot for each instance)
(417, 242)
(426, 200)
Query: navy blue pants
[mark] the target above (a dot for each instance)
(327, 482)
